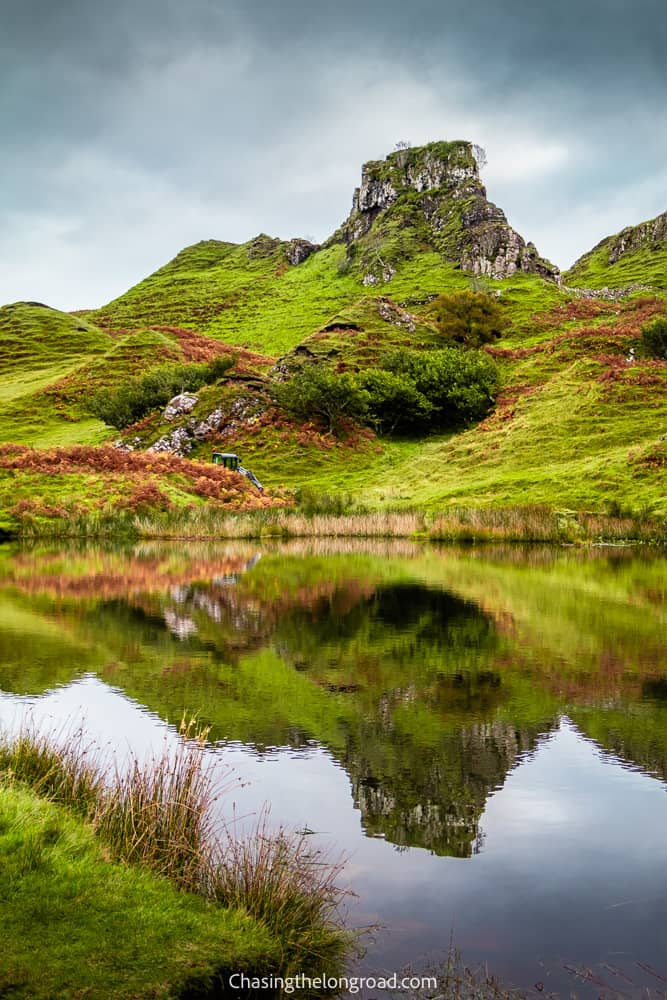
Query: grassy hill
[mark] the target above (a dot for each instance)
(636, 255)
(576, 425)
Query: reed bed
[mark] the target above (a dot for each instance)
(535, 523)
(279, 523)
(530, 523)
(159, 815)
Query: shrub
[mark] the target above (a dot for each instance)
(458, 385)
(654, 339)
(124, 406)
(412, 390)
(318, 392)
(395, 401)
(469, 318)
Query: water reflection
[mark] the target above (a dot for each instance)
(492, 707)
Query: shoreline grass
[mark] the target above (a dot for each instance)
(530, 523)
(156, 818)
(527, 523)
(78, 924)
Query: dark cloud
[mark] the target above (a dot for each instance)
(132, 129)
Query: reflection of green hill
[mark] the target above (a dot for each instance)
(636, 733)
(427, 679)
(36, 652)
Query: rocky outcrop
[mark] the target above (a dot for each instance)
(179, 442)
(433, 195)
(299, 250)
(648, 234)
(179, 405)
(635, 258)
(244, 411)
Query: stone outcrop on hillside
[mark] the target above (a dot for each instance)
(634, 259)
(436, 192)
(647, 234)
(180, 404)
(299, 250)
(651, 235)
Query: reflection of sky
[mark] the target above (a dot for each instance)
(573, 866)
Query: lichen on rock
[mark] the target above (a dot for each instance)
(183, 403)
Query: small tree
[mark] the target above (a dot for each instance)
(469, 318)
(395, 402)
(459, 385)
(654, 339)
(316, 392)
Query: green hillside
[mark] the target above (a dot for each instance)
(579, 418)
(39, 347)
(636, 255)
(421, 223)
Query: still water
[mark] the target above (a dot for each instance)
(482, 734)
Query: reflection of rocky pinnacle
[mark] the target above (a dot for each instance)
(179, 625)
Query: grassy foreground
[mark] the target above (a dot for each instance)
(76, 924)
(119, 888)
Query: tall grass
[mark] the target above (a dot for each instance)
(282, 881)
(536, 523)
(63, 770)
(158, 814)
(209, 522)
(529, 523)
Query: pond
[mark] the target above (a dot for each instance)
(481, 733)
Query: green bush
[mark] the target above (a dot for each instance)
(411, 391)
(458, 385)
(395, 401)
(654, 339)
(316, 392)
(469, 318)
(122, 407)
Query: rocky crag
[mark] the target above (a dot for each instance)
(433, 198)
(637, 255)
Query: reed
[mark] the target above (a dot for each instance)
(158, 815)
(284, 882)
(529, 523)
(62, 769)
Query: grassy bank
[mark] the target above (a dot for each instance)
(119, 887)
(76, 924)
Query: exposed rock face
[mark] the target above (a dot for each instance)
(630, 260)
(434, 193)
(651, 233)
(179, 405)
(179, 442)
(299, 250)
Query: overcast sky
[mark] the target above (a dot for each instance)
(134, 128)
